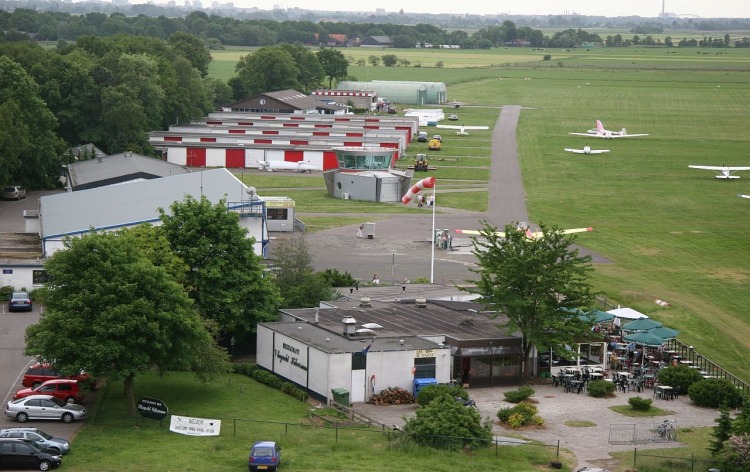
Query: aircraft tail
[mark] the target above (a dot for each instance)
(599, 125)
(623, 132)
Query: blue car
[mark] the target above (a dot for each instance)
(264, 455)
(19, 301)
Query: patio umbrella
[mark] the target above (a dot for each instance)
(599, 316)
(664, 332)
(642, 324)
(645, 339)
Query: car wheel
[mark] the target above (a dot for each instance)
(67, 417)
(22, 417)
(70, 400)
(44, 465)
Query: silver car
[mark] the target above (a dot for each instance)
(62, 446)
(44, 407)
(13, 192)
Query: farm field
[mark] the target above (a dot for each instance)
(672, 233)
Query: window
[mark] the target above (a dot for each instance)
(40, 277)
(277, 213)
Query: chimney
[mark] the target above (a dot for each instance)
(99, 157)
(349, 326)
(364, 302)
(421, 302)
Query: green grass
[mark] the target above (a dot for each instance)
(692, 454)
(627, 410)
(112, 441)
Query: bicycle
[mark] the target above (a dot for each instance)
(666, 430)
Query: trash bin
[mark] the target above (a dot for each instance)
(419, 384)
(369, 230)
(340, 396)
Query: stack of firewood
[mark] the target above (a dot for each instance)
(393, 396)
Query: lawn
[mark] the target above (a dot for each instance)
(113, 441)
(672, 233)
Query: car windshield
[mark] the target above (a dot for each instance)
(43, 434)
(263, 452)
(9, 189)
(57, 401)
(20, 296)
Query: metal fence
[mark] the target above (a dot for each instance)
(642, 433)
(656, 461)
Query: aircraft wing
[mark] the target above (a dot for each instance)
(598, 151)
(472, 232)
(529, 234)
(577, 151)
(720, 168)
(628, 135)
(590, 151)
(743, 196)
(590, 135)
(463, 127)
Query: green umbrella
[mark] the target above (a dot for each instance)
(664, 332)
(645, 339)
(599, 316)
(642, 324)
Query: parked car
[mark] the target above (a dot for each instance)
(39, 373)
(13, 192)
(61, 445)
(23, 454)
(422, 137)
(43, 407)
(434, 145)
(438, 137)
(19, 301)
(264, 455)
(453, 117)
(66, 390)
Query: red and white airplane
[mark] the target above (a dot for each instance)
(300, 166)
(722, 172)
(529, 234)
(601, 132)
(587, 150)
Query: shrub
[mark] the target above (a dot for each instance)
(266, 378)
(244, 368)
(6, 291)
(640, 404)
(601, 388)
(337, 279)
(679, 377)
(431, 392)
(518, 395)
(447, 424)
(547, 57)
(520, 415)
(715, 393)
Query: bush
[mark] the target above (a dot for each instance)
(431, 392)
(244, 368)
(679, 377)
(520, 415)
(640, 404)
(337, 279)
(601, 388)
(547, 57)
(447, 424)
(715, 393)
(6, 291)
(518, 395)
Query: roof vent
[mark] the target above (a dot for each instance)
(350, 326)
(364, 302)
(421, 302)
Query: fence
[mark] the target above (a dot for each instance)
(657, 461)
(641, 433)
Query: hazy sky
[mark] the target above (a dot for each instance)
(645, 8)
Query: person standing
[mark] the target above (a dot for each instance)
(376, 279)
(360, 231)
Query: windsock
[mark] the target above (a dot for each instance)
(427, 182)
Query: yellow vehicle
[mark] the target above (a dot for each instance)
(421, 162)
(434, 145)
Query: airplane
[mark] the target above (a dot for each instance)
(601, 132)
(527, 230)
(301, 166)
(743, 196)
(722, 172)
(462, 129)
(587, 150)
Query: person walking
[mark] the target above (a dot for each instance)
(360, 230)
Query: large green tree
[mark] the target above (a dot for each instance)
(310, 70)
(534, 282)
(334, 63)
(225, 277)
(266, 70)
(111, 311)
(300, 285)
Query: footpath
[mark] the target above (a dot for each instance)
(589, 444)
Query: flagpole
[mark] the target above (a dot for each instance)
(432, 238)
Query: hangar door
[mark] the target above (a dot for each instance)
(389, 190)
(253, 157)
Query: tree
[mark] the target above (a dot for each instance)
(721, 432)
(335, 65)
(225, 277)
(112, 312)
(445, 423)
(390, 60)
(193, 49)
(295, 275)
(373, 60)
(267, 70)
(311, 71)
(534, 283)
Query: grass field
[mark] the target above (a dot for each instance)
(249, 412)
(671, 232)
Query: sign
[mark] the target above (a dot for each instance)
(422, 353)
(152, 408)
(194, 426)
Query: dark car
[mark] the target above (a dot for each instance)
(37, 374)
(23, 454)
(13, 192)
(59, 445)
(19, 301)
(264, 455)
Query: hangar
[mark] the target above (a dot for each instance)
(409, 93)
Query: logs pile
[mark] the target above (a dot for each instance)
(393, 396)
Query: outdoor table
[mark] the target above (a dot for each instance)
(596, 375)
(664, 391)
(624, 374)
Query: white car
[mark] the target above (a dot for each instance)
(44, 407)
(62, 446)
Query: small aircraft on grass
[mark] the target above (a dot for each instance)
(722, 172)
(743, 196)
(301, 166)
(587, 150)
(601, 132)
(529, 234)
(462, 129)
